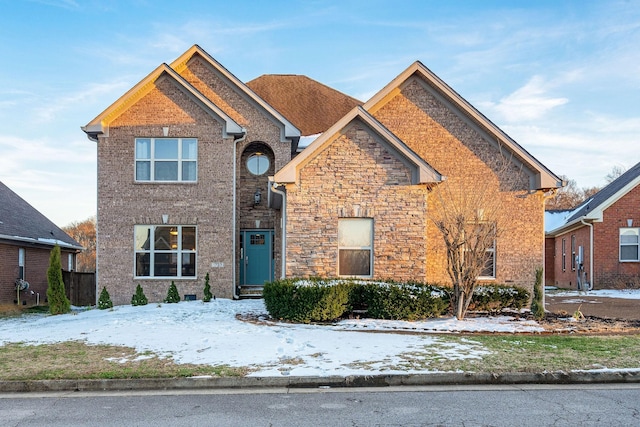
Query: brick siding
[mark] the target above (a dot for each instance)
(35, 272)
(207, 203)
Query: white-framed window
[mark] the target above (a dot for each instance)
(165, 250)
(166, 159)
(629, 244)
(258, 164)
(482, 237)
(355, 247)
(489, 268)
(21, 260)
(564, 254)
(70, 262)
(573, 252)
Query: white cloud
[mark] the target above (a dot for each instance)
(48, 111)
(530, 102)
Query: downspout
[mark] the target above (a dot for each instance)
(234, 215)
(590, 251)
(545, 196)
(283, 226)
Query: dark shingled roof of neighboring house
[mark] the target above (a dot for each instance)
(311, 106)
(603, 195)
(21, 222)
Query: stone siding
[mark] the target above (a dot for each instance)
(356, 176)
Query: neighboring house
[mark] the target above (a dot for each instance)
(599, 240)
(26, 240)
(195, 176)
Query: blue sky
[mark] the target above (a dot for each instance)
(560, 77)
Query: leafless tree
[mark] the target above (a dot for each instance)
(616, 171)
(84, 232)
(470, 216)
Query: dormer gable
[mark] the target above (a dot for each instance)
(421, 171)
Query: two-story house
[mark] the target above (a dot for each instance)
(198, 174)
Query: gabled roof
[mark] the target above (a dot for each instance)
(21, 222)
(422, 172)
(593, 208)
(289, 131)
(544, 178)
(312, 106)
(100, 124)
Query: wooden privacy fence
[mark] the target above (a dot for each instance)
(80, 287)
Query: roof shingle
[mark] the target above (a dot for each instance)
(22, 222)
(311, 106)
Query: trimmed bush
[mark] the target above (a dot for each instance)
(104, 301)
(207, 290)
(172, 294)
(319, 300)
(406, 301)
(305, 301)
(537, 306)
(139, 298)
(495, 298)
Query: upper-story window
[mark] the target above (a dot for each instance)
(166, 159)
(258, 164)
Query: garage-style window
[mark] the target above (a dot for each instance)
(629, 244)
(355, 247)
(165, 251)
(166, 159)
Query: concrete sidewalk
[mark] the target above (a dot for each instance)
(444, 378)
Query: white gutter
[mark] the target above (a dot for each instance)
(45, 242)
(590, 250)
(283, 226)
(234, 224)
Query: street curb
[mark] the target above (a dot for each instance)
(354, 381)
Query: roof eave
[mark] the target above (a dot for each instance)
(289, 132)
(544, 178)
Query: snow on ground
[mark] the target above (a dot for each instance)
(195, 332)
(607, 293)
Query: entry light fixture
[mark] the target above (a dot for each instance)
(257, 197)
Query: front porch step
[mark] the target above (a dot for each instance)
(250, 291)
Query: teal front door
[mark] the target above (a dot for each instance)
(256, 264)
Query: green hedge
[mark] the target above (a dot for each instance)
(322, 300)
(495, 298)
(311, 300)
(407, 301)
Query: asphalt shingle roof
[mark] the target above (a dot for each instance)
(603, 195)
(20, 220)
(311, 106)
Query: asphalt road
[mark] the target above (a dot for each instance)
(530, 405)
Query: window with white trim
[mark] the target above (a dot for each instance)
(489, 268)
(573, 252)
(355, 247)
(629, 244)
(21, 257)
(482, 237)
(564, 254)
(166, 159)
(165, 251)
